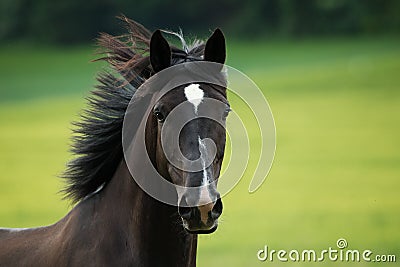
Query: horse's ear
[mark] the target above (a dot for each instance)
(160, 52)
(215, 50)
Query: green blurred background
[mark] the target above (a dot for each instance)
(329, 69)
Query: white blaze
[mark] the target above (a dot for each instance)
(194, 95)
(204, 193)
(202, 148)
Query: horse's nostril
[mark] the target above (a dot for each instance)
(217, 209)
(184, 211)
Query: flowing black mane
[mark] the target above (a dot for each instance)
(97, 140)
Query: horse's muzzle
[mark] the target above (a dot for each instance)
(201, 219)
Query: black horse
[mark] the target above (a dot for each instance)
(116, 223)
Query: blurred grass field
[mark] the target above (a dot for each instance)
(336, 172)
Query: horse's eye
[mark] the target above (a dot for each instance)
(226, 112)
(160, 117)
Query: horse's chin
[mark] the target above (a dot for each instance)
(202, 231)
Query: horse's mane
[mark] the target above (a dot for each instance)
(97, 139)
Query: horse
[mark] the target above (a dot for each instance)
(114, 222)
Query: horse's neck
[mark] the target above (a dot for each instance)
(150, 231)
